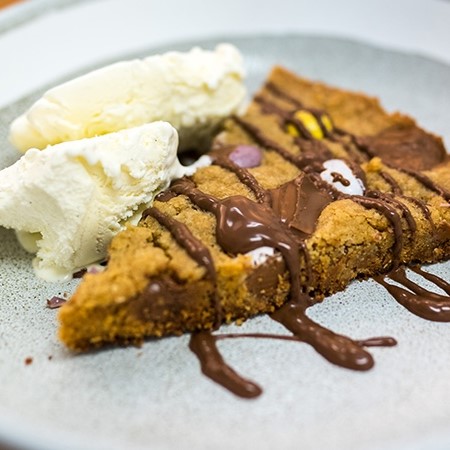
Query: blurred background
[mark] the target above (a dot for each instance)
(44, 40)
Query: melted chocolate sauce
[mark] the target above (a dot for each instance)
(244, 176)
(427, 182)
(286, 116)
(339, 178)
(395, 187)
(392, 215)
(244, 225)
(265, 142)
(419, 301)
(439, 282)
(283, 219)
(203, 344)
(381, 341)
(422, 206)
(406, 213)
(193, 246)
(337, 349)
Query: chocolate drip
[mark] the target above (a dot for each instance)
(422, 206)
(392, 145)
(165, 196)
(419, 301)
(395, 187)
(317, 113)
(337, 349)
(428, 183)
(379, 341)
(286, 116)
(264, 141)
(244, 225)
(392, 215)
(406, 213)
(193, 246)
(280, 93)
(384, 204)
(439, 282)
(313, 149)
(203, 344)
(396, 190)
(245, 177)
(282, 219)
(382, 341)
(355, 152)
(339, 178)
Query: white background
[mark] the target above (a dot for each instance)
(45, 46)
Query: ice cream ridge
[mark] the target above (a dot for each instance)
(106, 153)
(311, 188)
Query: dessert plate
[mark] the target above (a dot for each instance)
(155, 396)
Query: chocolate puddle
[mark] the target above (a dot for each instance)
(284, 218)
(337, 349)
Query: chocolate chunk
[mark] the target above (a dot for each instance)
(408, 148)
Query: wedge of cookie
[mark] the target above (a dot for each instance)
(310, 189)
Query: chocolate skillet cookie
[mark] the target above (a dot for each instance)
(311, 188)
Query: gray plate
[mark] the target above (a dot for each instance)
(155, 397)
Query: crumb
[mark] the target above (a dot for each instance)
(50, 357)
(28, 360)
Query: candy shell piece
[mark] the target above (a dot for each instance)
(246, 156)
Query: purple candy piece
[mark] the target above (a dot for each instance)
(246, 156)
(55, 302)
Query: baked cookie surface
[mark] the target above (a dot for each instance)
(271, 220)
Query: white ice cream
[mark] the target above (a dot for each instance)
(66, 202)
(193, 91)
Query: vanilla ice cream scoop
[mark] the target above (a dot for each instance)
(67, 201)
(194, 91)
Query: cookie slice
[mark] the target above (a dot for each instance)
(304, 194)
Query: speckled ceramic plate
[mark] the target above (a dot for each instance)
(155, 397)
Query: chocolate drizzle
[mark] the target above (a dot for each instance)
(244, 176)
(337, 349)
(419, 301)
(283, 219)
(244, 225)
(193, 246)
(396, 189)
(339, 178)
(406, 213)
(392, 215)
(427, 182)
(203, 344)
